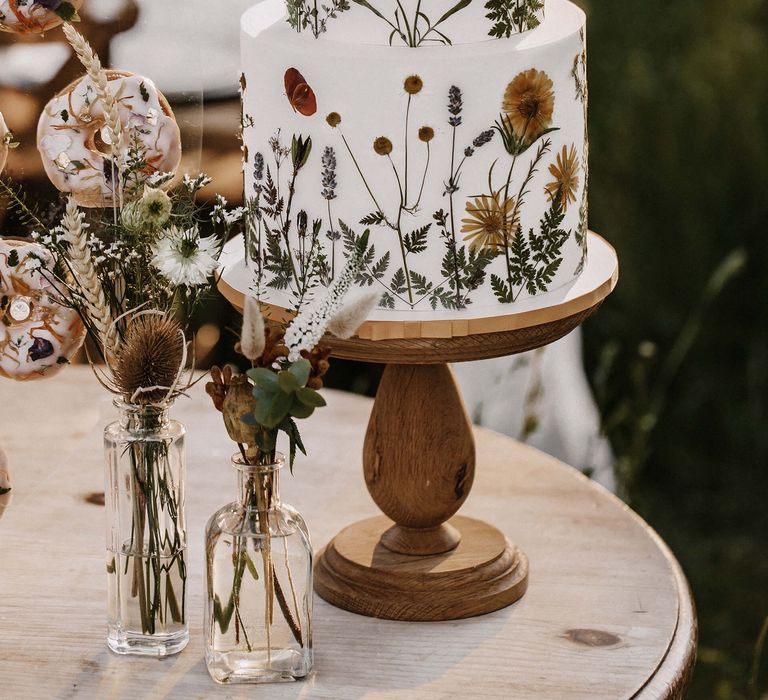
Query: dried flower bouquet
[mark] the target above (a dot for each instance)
(135, 271)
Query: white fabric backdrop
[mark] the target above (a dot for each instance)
(544, 399)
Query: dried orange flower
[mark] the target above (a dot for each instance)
(413, 84)
(529, 102)
(382, 146)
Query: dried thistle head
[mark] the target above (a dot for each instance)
(149, 359)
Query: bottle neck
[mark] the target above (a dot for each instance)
(258, 486)
(143, 419)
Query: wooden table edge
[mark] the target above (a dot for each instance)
(672, 675)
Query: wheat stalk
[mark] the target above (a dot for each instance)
(79, 254)
(96, 73)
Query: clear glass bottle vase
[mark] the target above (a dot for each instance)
(146, 532)
(258, 614)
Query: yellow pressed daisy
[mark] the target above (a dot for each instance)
(487, 221)
(529, 102)
(565, 170)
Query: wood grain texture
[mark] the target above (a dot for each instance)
(419, 466)
(419, 452)
(596, 567)
(482, 574)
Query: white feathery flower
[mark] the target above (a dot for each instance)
(253, 336)
(193, 184)
(353, 314)
(311, 323)
(233, 216)
(158, 179)
(184, 258)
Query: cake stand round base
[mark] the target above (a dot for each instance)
(485, 572)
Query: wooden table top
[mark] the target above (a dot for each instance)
(608, 613)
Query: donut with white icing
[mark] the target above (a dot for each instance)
(74, 141)
(5, 137)
(36, 16)
(38, 335)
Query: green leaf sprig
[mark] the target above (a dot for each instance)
(282, 397)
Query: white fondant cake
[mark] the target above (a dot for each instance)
(465, 160)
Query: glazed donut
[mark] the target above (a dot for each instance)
(35, 16)
(5, 137)
(74, 143)
(38, 335)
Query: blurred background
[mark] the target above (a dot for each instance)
(677, 358)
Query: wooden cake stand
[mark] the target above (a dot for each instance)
(421, 561)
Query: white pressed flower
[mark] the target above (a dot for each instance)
(311, 323)
(193, 184)
(233, 216)
(184, 258)
(353, 314)
(158, 179)
(253, 337)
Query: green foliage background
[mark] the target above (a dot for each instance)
(679, 133)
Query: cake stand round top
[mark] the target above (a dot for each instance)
(404, 338)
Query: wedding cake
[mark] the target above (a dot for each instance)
(455, 134)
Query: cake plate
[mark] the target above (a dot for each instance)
(421, 561)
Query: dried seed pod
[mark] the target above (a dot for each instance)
(149, 359)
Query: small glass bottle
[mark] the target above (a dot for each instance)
(258, 613)
(146, 532)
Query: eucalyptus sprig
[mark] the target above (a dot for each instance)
(281, 398)
(288, 369)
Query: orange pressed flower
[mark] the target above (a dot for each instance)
(529, 103)
(565, 170)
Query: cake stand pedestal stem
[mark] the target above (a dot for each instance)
(418, 563)
(419, 457)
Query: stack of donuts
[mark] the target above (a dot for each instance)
(38, 333)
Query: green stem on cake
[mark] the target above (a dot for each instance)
(543, 149)
(362, 177)
(407, 118)
(516, 210)
(333, 241)
(399, 230)
(410, 39)
(423, 182)
(287, 224)
(453, 183)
